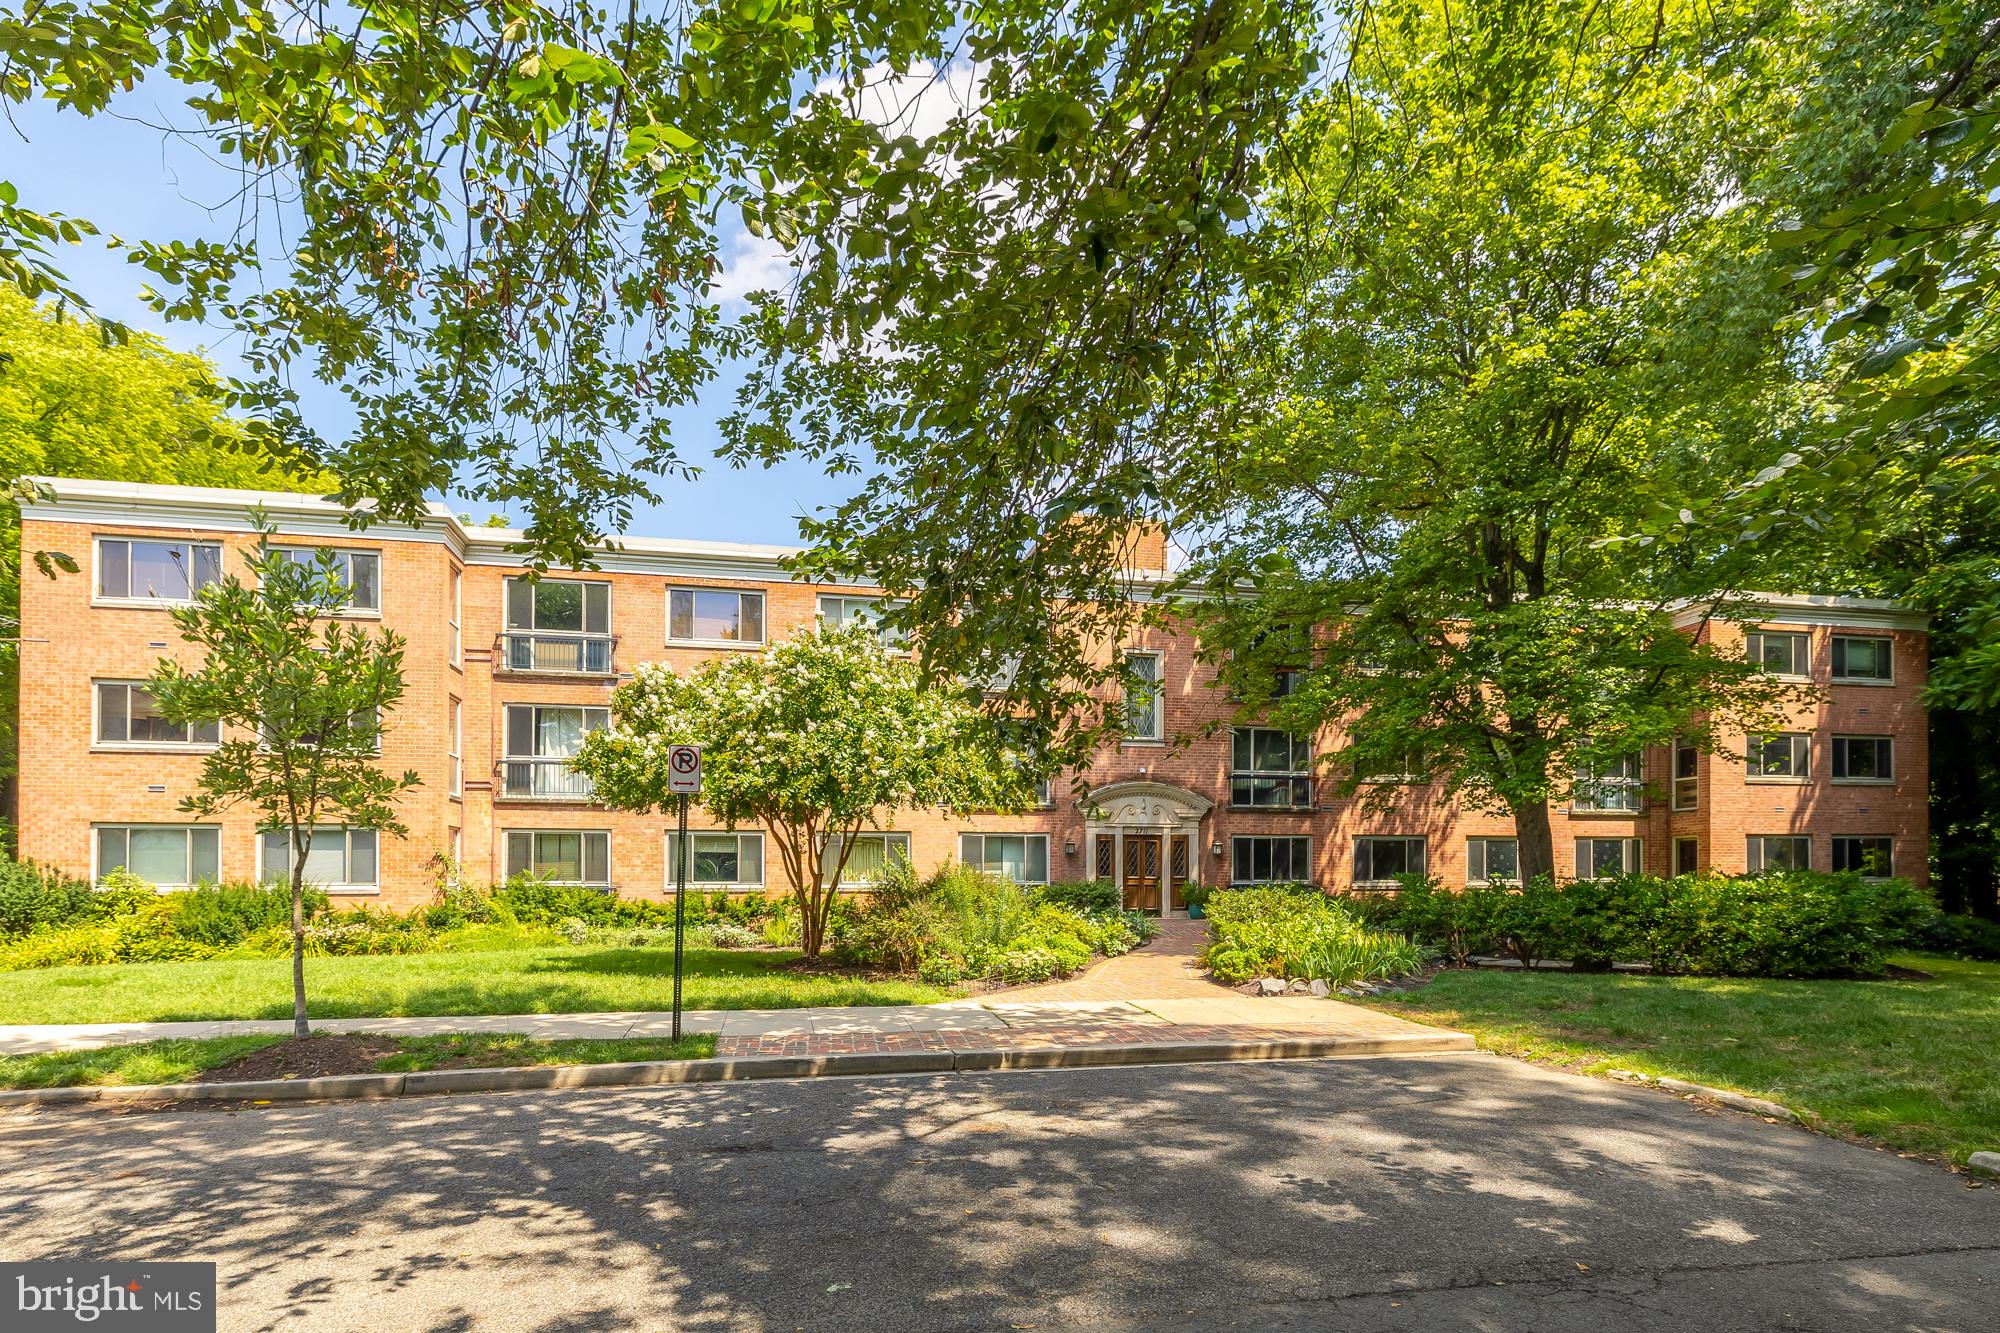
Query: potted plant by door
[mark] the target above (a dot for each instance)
(1196, 898)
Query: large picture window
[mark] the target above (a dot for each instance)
(1868, 659)
(1864, 759)
(1262, 860)
(1381, 860)
(838, 612)
(1777, 652)
(339, 858)
(1021, 857)
(130, 569)
(1872, 856)
(1600, 858)
(1270, 769)
(722, 616)
(127, 715)
(165, 856)
(870, 855)
(1778, 852)
(561, 856)
(560, 626)
(721, 860)
(541, 740)
(1492, 858)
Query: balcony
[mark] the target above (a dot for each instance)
(541, 653)
(543, 780)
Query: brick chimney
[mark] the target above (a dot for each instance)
(1145, 548)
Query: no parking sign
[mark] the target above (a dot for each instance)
(683, 770)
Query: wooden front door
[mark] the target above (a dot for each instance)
(1142, 872)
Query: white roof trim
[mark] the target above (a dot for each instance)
(1786, 608)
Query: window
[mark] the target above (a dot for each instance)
(156, 571)
(1787, 852)
(456, 756)
(1270, 768)
(367, 720)
(1144, 720)
(1492, 858)
(714, 615)
(457, 616)
(1687, 856)
(1286, 682)
(721, 860)
(1868, 659)
(339, 858)
(1405, 767)
(1599, 857)
(1779, 654)
(127, 715)
(561, 856)
(1871, 856)
(1863, 759)
(865, 861)
(1380, 860)
(165, 857)
(360, 571)
(840, 612)
(541, 740)
(1611, 786)
(1687, 776)
(1785, 757)
(1021, 857)
(1268, 860)
(558, 625)
(1045, 794)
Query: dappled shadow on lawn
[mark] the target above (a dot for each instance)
(1102, 1199)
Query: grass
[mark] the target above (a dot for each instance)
(1912, 1064)
(180, 1061)
(548, 979)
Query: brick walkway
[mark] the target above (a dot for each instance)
(1154, 995)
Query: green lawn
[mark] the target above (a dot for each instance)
(553, 979)
(180, 1061)
(1914, 1064)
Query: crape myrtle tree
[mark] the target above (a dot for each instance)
(1494, 311)
(825, 735)
(498, 228)
(302, 697)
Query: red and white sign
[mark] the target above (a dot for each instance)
(684, 770)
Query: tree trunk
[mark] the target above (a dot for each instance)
(812, 931)
(299, 1028)
(1534, 842)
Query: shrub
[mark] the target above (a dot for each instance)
(222, 917)
(1279, 931)
(66, 946)
(962, 922)
(32, 899)
(1959, 935)
(1092, 897)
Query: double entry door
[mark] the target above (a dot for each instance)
(1152, 861)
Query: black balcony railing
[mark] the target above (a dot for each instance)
(544, 780)
(542, 652)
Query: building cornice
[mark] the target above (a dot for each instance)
(1784, 608)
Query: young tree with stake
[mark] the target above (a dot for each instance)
(301, 697)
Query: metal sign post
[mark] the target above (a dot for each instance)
(683, 780)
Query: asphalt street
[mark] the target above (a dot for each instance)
(1435, 1192)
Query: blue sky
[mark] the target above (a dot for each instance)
(134, 182)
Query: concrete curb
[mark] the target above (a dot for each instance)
(1735, 1101)
(641, 1073)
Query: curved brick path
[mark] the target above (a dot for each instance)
(1167, 968)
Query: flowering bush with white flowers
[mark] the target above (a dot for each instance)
(821, 736)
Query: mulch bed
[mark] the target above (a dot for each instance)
(315, 1057)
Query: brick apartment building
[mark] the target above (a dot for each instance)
(505, 675)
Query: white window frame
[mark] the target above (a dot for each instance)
(98, 871)
(345, 832)
(194, 743)
(763, 616)
(1631, 855)
(534, 608)
(1889, 867)
(1753, 649)
(1374, 880)
(1842, 745)
(1754, 851)
(1239, 859)
(456, 754)
(1478, 850)
(866, 608)
(1686, 842)
(1684, 789)
(380, 729)
(1801, 749)
(1840, 678)
(1292, 778)
(458, 616)
(1587, 785)
(888, 837)
(309, 556)
(101, 598)
(610, 881)
(1156, 720)
(508, 755)
(965, 840)
(712, 885)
